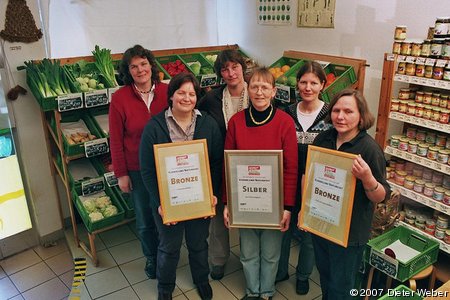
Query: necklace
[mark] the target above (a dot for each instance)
(143, 92)
(263, 121)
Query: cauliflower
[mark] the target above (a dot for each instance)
(109, 211)
(102, 202)
(95, 216)
(89, 205)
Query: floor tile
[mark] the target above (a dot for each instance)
(219, 292)
(147, 289)
(52, 289)
(126, 252)
(32, 276)
(106, 261)
(126, 293)
(20, 261)
(184, 279)
(18, 297)
(180, 297)
(106, 282)
(134, 270)
(7, 289)
(67, 278)
(233, 264)
(47, 252)
(117, 236)
(81, 292)
(61, 263)
(235, 283)
(2, 273)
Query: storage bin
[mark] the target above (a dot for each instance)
(345, 77)
(396, 269)
(171, 59)
(125, 201)
(206, 76)
(96, 112)
(286, 91)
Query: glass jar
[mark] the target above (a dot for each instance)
(446, 75)
(403, 106)
(438, 194)
(435, 99)
(442, 156)
(411, 132)
(409, 182)
(395, 104)
(441, 27)
(420, 70)
(412, 147)
(403, 144)
(444, 116)
(427, 111)
(446, 49)
(397, 46)
(436, 114)
(447, 237)
(436, 47)
(400, 32)
(419, 110)
(421, 135)
(442, 222)
(439, 233)
(426, 48)
(416, 48)
(410, 69)
(422, 150)
(428, 71)
(446, 200)
(406, 47)
(430, 138)
(444, 101)
(427, 175)
(419, 185)
(395, 140)
(400, 177)
(403, 94)
(438, 73)
(428, 189)
(417, 171)
(419, 96)
(432, 153)
(401, 68)
(441, 139)
(411, 110)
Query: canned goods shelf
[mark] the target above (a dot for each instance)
(443, 246)
(444, 168)
(441, 84)
(420, 121)
(421, 198)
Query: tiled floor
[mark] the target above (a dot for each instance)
(47, 273)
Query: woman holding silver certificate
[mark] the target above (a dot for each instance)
(181, 122)
(263, 127)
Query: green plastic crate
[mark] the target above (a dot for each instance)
(126, 201)
(206, 79)
(73, 116)
(168, 59)
(398, 270)
(97, 111)
(283, 85)
(216, 52)
(345, 77)
(106, 222)
(399, 293)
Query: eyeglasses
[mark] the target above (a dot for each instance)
(264, 89)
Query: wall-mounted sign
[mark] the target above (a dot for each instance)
(316, 13)
(274, 12)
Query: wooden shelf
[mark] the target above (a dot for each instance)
(445, 128)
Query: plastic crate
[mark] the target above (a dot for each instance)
(205, 79)
(106, 222)
(77, 184)
(126, 201)
(104, 110)
(287, 93)
(162, 60)
(345, 77)
(401, 292)
(73, 116)
(398, 270)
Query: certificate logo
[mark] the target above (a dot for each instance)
(254, 170)
(330, 172)
(182, 160)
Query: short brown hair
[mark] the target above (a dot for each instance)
(367, 119)
(177, 81)
(263, 73)
(229, 55)
(314, 68)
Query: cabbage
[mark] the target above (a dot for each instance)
(102, 202)
(89, 205)
(109, 211)
(95, 216)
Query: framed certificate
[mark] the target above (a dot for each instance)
(327, 199)
(184, 180)
(254, 185)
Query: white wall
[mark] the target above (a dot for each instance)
(363, 29)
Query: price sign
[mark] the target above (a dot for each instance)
(111, 91)
(96, 147)
(420, 60)
(111, 179)
(384, 263)
(401, 58)
(430, 61)
(70, 102)
(208, 80)
(283, 93)
(408, 156)
(442, 84)
(432, 203)
(96, 98)
(410, 59)
(415, 80)
(441, 62)
(390, 57)
(92, 186)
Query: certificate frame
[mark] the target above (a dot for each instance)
(328, 194)
(241, 166)
(184, 180)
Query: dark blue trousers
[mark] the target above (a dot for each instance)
(338, 268)
(171, 237)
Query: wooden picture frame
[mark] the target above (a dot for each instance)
(328, 191)
(254, 186)
(184, 180)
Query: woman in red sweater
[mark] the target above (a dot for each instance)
(263, 127)
(132, 106)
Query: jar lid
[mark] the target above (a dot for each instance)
(413, 142)
(434, 148)
(444, 151)
(438, 40)
(439, 189)
(401, 173)
(436, 108)
(423, 145)
(430, 185)
(420, 181)
(442, 217)
(401, 26)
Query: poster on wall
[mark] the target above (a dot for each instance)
(274, 12)
(316, 13)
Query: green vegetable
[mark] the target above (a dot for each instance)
(38, 79)
(104, 64)
(54, 74)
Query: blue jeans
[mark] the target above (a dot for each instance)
(145, 224)
(260, 252)
(171, 238)
(338, 268)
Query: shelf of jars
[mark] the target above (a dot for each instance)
(445, 128)
(440, 167)
(442, 245)
(421, 198)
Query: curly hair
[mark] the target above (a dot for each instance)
(129, 54)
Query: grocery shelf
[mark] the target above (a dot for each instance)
(420, 121)
(442, 245)
(420, 198)
(444, 168)
(441, 84)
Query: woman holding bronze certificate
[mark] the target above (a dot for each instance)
(181, 122)
(350, 116)
(263, 127)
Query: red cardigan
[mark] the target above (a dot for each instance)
(278, 134)
(128, 116)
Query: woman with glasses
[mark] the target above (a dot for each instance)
(132, 106)
(263, 127)
(222, 103)
(308, 116)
